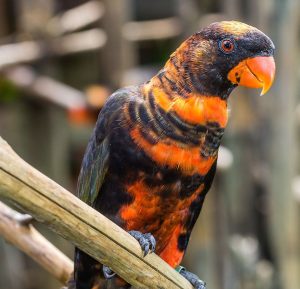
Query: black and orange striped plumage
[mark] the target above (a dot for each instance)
(152, 156)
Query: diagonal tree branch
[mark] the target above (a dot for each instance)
(17, 230)
(83, 226)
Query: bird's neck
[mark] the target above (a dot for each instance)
(177, 96)
(187, 119)
(190, 71)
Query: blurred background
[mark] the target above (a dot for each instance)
(60, 60)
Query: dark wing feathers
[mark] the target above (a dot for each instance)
(93, 171)
(95, 163)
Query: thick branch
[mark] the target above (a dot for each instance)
(15, 230)
(77, 222)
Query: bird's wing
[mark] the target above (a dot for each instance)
(95, 163)
(93, 171)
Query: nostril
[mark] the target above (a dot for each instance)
(237, 77)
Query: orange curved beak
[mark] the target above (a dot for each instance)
(257, 72)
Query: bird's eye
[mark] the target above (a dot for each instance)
(227, 45)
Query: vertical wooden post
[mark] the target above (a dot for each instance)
(284, 210)
(117, 55)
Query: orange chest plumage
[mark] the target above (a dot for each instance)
(157, 209)
(166, 208)
(175, 156)
(205, 111)
(195, 108)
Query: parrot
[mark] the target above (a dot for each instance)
(152, 156)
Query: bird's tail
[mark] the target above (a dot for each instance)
(88, 274)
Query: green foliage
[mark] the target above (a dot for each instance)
(8, 91)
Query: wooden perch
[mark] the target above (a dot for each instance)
(83, 226)
(15, 229)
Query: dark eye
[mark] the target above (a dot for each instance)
(227, 45)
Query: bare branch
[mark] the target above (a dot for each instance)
(15, 229)
(86, 228)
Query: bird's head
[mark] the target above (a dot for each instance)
(224, 55)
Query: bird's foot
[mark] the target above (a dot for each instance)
(192, 278)
(107, 272)
(146, 241)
